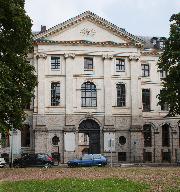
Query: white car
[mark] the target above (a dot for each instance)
(2, 162)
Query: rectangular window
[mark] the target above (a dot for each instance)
(145, 70)
(55, 94)
(121, 156)
(55, 63)
(120, 65)
(166, 157)
(147, 156)
(121, 95)
(146, 99)
(162, 74)
(164, 106)
(88, 63)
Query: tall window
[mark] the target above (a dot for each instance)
(88, 95)
(121, 95)
(147, 135)
(88, 63)
(165, 136)
(146, 99)
(55, 94)
(25, 136)
(120, 64)
(145, 70)
(164, 106)
(55, 63)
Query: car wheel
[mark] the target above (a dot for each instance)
(73, 165)
(47, 165)
(17, 165)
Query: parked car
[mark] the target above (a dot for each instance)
(88, 160)
(2, 162)
(34, 160)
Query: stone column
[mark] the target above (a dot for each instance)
(69, 57)
(136, 111)
(107, 89)
(41, 83)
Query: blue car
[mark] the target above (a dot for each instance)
(88, 160)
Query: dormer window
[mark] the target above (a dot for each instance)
(161, 44)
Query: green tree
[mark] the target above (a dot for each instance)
(17, 79)
(170, 63)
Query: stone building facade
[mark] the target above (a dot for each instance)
(97, 93)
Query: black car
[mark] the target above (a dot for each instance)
(34, 160)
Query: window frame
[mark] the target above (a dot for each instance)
(145, 71)
(162, 74)
(55, 66)
(88, 66)
(146, 103)
(55, 95)
(120, 66)
(88, 94)
(147, 133)
(120, 95)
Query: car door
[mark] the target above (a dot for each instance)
(87, 160)
(97, 159)
(40, 160)
(28, 161)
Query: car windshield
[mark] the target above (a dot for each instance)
(86, 157)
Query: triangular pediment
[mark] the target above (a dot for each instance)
(88, 27)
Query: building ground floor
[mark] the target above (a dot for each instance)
(152, 140)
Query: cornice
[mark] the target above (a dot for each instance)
(84, 42)
(151, 53)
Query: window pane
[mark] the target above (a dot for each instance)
(88, 63)
(55, 62)
(88, 95)
(55, 94)
(146, 99)
(121, 97)
(120, 65)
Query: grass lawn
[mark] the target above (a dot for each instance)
(156, 179)
(74, 185)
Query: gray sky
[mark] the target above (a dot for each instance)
(139, 17)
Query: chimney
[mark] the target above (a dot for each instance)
(43, 28)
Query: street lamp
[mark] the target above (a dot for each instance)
(11, 147)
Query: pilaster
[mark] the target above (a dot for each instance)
(136, 110)
(107, 89)
(69, 58)
(41, 58)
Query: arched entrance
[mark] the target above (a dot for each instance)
(89, 130)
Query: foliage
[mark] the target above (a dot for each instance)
(170, 63)
(75, 185)
(17, 75)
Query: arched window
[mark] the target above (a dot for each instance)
(147, 135)
(88, 95)
(55, 140)
(165, 136)
(121, 95)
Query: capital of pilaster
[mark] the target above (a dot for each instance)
(134, 57)
(107, 56)
(41, 55)
(69, 55)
